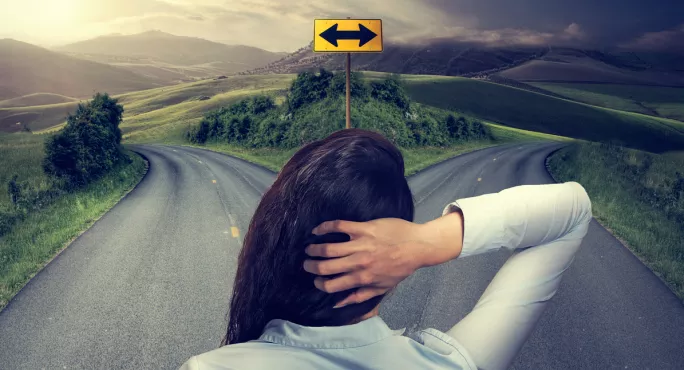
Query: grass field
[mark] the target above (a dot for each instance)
(536, 112)
(172, 104)
(33, 242)
(653, 100)
(21, 155)
(36, 99)
(638, 196)
(164, 113)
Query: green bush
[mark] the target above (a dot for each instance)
(315, 108)
(359, 88)
(391, 91)
(89, 145)
(309, 88)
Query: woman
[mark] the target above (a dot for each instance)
(283, 318)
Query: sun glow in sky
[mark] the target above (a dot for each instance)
(44, 21)
(285, 25)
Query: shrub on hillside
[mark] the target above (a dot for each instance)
(359, 88)
(461, 129)
(309, 88)
(233, 124)
(89, 145)
(315, 108)
(391, 91)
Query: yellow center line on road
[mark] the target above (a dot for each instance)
(235, 231)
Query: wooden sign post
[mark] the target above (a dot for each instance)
(353, 36)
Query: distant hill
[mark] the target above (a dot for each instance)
(27, 69)
(454, 58)
(592, 66)
(172, 58)
(435, 57)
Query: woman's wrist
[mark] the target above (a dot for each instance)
(443, 238)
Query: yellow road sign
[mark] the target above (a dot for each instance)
(348, 35)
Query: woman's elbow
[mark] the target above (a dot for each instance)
(583, 205)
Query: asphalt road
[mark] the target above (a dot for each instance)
(148, 285)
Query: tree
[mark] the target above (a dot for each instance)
(89, 145)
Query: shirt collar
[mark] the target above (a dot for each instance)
(363, 333)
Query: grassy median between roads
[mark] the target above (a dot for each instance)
(415, 159)
(639, 196)
(36, 238)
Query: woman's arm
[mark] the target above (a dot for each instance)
(545, 226)
(383, 252)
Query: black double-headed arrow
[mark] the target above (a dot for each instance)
(332, 35)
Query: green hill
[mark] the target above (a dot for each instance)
(171, 57)
(36, 99)
(537, 112)
(166, 112)
(652, 100)
(168, 103)
(315, 108)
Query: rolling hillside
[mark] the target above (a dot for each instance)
(36, 99)
(169, 57)
(537, 112)
(28, 69)
(169, 111)
(434, 57)
(166, 104)
(652, 100)
(573, 65)
(453, 58)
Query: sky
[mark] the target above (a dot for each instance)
(286, 25)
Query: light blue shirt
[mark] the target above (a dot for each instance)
(542, 224)
(370, 344)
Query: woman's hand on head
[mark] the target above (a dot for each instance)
(380, 254)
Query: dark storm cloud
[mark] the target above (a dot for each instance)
(672, 40)
(606, 22)
(287, 24)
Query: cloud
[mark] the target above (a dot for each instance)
(668, 40)
(278, 25)
(572, 34)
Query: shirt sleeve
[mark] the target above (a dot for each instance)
(190, 364)
(544, 225)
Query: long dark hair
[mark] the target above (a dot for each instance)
(353, 175)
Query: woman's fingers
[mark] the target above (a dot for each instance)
(335, 265)
(344, 282)
(340, 226)
(333, 250)
(360, 295)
